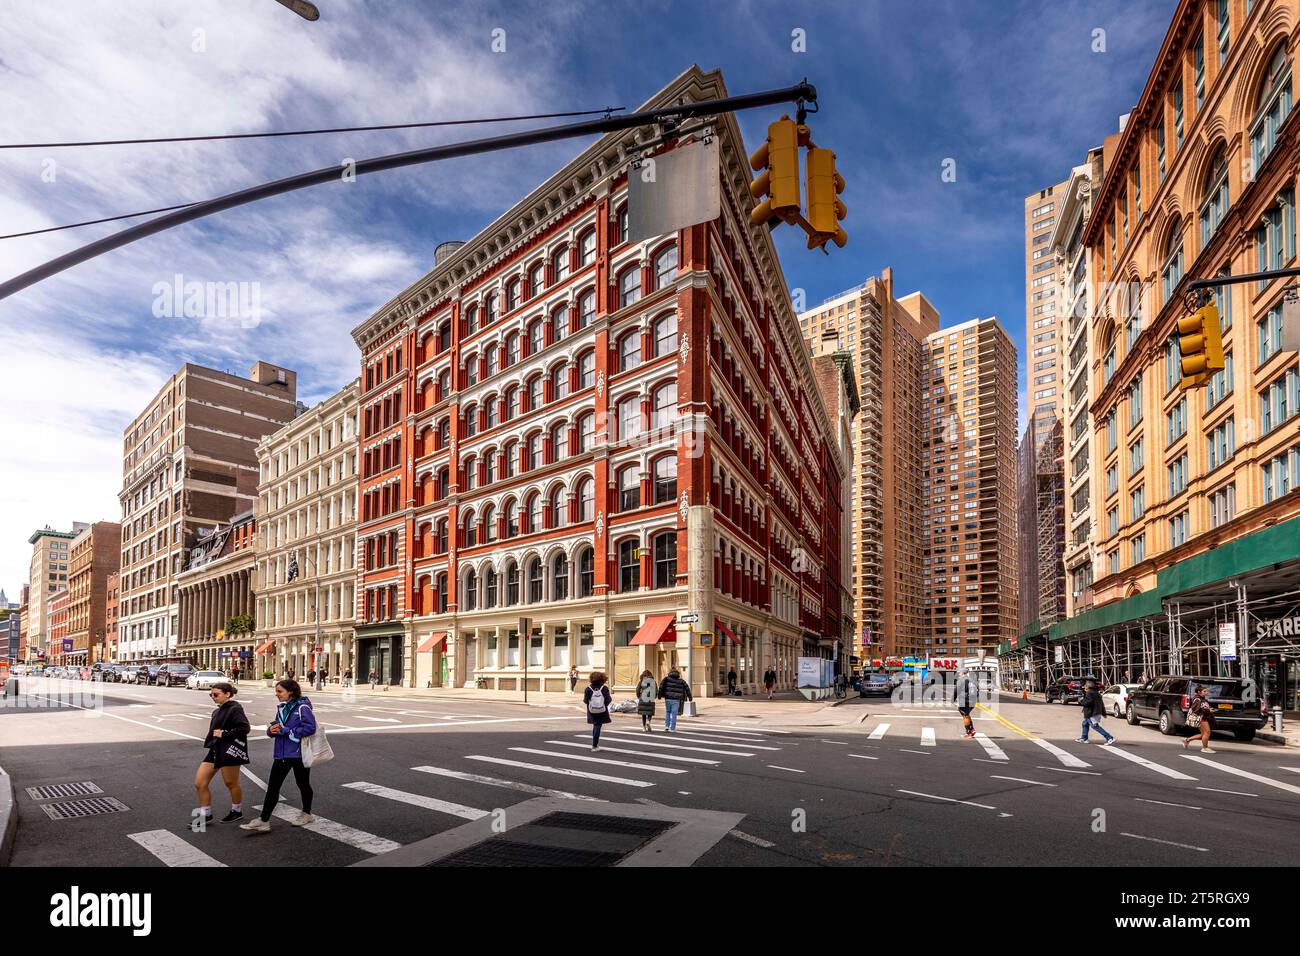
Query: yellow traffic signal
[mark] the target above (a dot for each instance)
(1200, 345)
(778, 158)
(825, 209)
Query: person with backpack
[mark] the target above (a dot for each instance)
(966, 695)
(674, 692)
(731, 681)
(293, 722)
(769, 682)
(646, 689)
(1094, 708)
(311, 677)
(1199, 717)
(597, 700)
(347, 677)
(227, 743)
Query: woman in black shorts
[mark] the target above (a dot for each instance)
(227, 743)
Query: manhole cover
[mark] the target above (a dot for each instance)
(74, 809)
(57, 790)
(563, 839)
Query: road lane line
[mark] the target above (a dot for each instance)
(1289, 788)
(1006, 723)
(1090, 773)
(171, 849)
(791, 769)
(1292, 769)
(418, 800)
(1142, 761)
(563, 771)
(927, 737)
(993, 750)
(906, 751)
(252, 776)
(637, 753)
(1164, 803)
(748, 838)
(658, 743)
(129, 720)
(693, 736)
(1185, 846)
(1069, 759)
(359, 839)
(841, 743)
(748, 738)
(736, 728)
(879, 732)
(1235, 793)
(863, 757)
(1036, 783)
(506, 784)
(586, 759)
(931, 796)
(378, 720)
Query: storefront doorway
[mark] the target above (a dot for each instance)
(383, 655)
(1278, 679)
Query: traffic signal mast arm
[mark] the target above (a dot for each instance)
(1197, 285)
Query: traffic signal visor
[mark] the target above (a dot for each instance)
(825, 210)
(778, 158)
(1200, 345)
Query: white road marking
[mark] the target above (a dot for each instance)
(194, 716)
(879, 732)
(736, 728)
(172, 850)
(378, 720)
(751, 839)
(129, 720)
(1235, 793)
(565, 771)
(359, 839)
(841, 743)
(659, 743)
(1090, 773)
(587, 759)
(1289, 788)
(993, 750)
(139, 705)
(1036, 783)
(1142, 761)
(252, 776)
(791, 769)
(863, 757)
(639, 753)
(732, 742)
(906, 751)
(969, 803)
(1069, 759)
(1292, 769)
(506, 784)
(418, 800)
(1185, 846)
(927, 737)
(444, 725)
(1165, 804)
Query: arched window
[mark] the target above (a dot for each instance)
(559, 507)
(665, 334)
(512, 402)
(490, 412)
(629, 488)
(629, 417)
(586, 433)
(664, 403)
(512, 584)
(535, 392)
(586, 370)
(535, 276)
(441, 585)
(511, 457)
(512, 519)
(587, 247)
(489, 524)
(559, 441)
(512, 348)
(493, 360)
(534, 513)
(587, 500)
(665, 559)
(490, 309)
(536, 337)
(622, 225)
(471, 420)
(491, 580)
(559, 323)
(470, 529)
(666, 267)
(440, 543)
(534, 581)
(559, 382)
(629, 566)
(444, 337)
(444, 433)
(534, 450)
(512, 295)
(444, 482)
(489, 466)
(1274, 106)
(1214, 205)
(665, 479)
(471, 370)
(471, 320)
(444, 383)
(629, 286)
(586, 572)
(560, 577)
(560, 264)
(629, 350)
(471, 473)
(586, 309)
(1171, 273)
(469, 594)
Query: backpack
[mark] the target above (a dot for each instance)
(597, 703)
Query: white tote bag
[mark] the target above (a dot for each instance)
(689, 709)
(316, 748)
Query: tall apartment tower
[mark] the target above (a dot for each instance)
(94, 555)
(48, 576)
(188, 464)
(1044, 312)
(886, 337)
(969, 489)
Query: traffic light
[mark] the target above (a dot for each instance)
(1200, 345)
(778, 158)
(825, 209)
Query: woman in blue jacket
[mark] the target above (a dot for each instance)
(293, 721)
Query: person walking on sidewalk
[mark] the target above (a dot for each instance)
(1094, 708)
(646, 690)
(294, 720)
(322, 677)
(373, 679)
(1199, 717)
(674, 692)
(769, 682)
(347, 677)
(573, 679)
(311, 677)
(227, 743)
(966, 695)
(597, 699)
(731, 682)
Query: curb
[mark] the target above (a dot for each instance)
(8, 817)
(1274, 738)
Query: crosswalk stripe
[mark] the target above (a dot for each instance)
(863, 757)
(719, 733)
(617, 763)
(993, 750)
(927, 737)
(172, 850)
(564, 771)
(378, 720)
(418, 800)
(1069, 759)
(1144, 762)
(640, 753)
(1036, 783)
(659, 743)
(735, 729)
(359, 839)
(695, 735)
(1289, 788)
(506, 784)
(879, 732)
(1292, 769)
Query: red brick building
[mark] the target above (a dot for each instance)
(598, 435)
(114, 589)
(60, 643)
(93, 557)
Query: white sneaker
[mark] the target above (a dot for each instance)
(1109, 742)
(1080, 740)
(303, 820)
(257, 826)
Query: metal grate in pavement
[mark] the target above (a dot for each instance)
(563, 839)
(604, 823)
(508, 853)
(57, 790)
(76, 809)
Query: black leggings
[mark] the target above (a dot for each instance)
(279, 772)
(595, 734)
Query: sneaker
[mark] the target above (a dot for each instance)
(303, 820)
(594, 749)
(257, 826)
(1207, 750)
(232, 816)
(1109, 742)
(1080, 740)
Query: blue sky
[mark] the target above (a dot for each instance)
(1013, 92)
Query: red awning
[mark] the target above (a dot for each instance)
(726, 630)
(265, 647)
(656, 629)
(433, 641)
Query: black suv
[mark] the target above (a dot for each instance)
(1234, 701)
(173, 675)
(149, 674)
(1068, 690)
(108, 673)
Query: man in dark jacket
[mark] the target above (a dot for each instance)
(673, 691)
(966, 695)
(1093, 710)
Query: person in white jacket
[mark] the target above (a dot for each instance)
(647, 689)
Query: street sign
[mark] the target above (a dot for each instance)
(706, 638)
(691, 618)
(1060, 655)
(1227, 642)
(1291, 319)
(674, 190)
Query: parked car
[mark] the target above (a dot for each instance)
(1067, 690)
(1115, 697)
(1166, 700)
(876, 685)
(203, 680)
(135, 674)
(173, 675)
(108, 673)
(151, 673)
(84, 673)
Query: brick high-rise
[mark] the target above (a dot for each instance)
(92, 567)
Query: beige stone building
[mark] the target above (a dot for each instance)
(216, 587)
(48, 576)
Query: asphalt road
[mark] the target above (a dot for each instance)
(883, 785)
